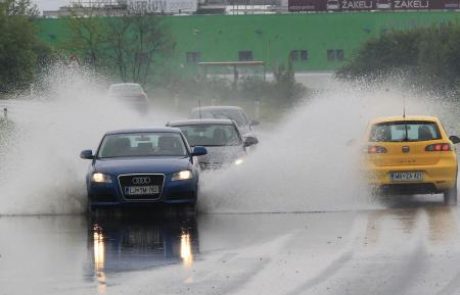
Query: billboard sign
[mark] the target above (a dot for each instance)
(357, 5)
(162, 6)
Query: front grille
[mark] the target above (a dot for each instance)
(141, 186)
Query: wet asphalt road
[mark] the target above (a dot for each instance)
(408, 247)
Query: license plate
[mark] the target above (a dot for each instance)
(406, 176)
(142, 190)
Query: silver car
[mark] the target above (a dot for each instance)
(131, 95)
(221, 137)
(234, 113)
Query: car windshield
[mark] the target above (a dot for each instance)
(211, 135)
(232, 114)
(404, 131)
(125, 89)
(142, 145)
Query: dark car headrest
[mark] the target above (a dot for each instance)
(424, 133)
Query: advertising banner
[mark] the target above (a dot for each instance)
(162, 6)
(357, 5)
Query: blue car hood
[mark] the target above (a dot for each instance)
(164, 165)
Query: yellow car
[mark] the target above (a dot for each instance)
(411, 154)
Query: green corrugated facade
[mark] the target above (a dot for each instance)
(272, 37)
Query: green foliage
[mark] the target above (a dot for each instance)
(285, 86)
(87, 40)
(127, 45)
(18, 45)
(283, 90)
(426, 57)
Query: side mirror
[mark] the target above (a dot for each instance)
(250, 140)
(254, 122)
(87, 154)
(199, 151)
(454, 139)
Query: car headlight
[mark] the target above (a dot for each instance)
(238, 162)
(182, 175)
(101, 178)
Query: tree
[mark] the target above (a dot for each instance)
(428, 58)
(128, 44)
(392, 52)
(18, 42)
(88, 35)
(136, 41)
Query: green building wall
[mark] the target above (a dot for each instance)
(272, 37)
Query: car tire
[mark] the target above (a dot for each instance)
(450, 196)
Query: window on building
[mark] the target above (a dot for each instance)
(303, 55)
(339, 54)
(245, 55)
(294, 55)
(299, 55)
(330, 54)
(335, 55)
(193, 57)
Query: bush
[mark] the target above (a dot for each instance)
(428, 58)
(19, 45)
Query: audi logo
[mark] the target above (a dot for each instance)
(141, 180)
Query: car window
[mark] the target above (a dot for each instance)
(232, 114)
(211, 135)
(142, 144)
(404, 131)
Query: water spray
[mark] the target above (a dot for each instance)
(5, 115)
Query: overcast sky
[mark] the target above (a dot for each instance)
(50, 4)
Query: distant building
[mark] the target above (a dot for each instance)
(86, 8)
(170, 7)
(241, 6)
(124, 7)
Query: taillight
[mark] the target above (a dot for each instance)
(439, 147)
(375, 149)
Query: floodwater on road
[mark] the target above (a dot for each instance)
(295, 218)
(410, 247)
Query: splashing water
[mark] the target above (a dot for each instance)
(307, 163)
(311, 162)
(42, 172)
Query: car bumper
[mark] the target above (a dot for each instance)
(438, 178)
(174, 192)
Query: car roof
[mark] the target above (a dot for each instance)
(145, 130)
(404, 118)
(210, 108)
(201, 122)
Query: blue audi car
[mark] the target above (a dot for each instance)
(140, 167)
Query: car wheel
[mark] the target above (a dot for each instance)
(450, 196)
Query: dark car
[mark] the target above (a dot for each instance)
(234, 113)
(221, 137)
(138, 167)
(131, 95)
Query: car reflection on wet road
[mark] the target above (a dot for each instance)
(413, 248)
(129, 244)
